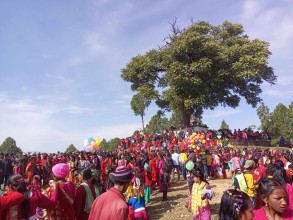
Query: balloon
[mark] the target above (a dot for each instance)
(93, 143)
(203, 141)
(197, 141)
(189, 165)
(86, 142)
(199, 145)
(90, 139)
(197, 148)
(98, 142)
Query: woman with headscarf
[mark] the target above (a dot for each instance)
(66, 192)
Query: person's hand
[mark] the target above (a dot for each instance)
(53, 184)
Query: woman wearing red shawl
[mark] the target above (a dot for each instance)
(66, 193)
(153, 166)
(33, 200)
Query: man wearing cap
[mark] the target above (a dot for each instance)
(111, 204)
(248, 167)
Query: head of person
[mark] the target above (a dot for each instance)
(235, 205)
(60, 171)
(279, 173)
(17, 183)
(84, 175)
(122, 177)
(198, 176)
(273, 194)
(249, 164)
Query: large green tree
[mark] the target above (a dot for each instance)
(139, 104)
(201, 67)
(9, 146)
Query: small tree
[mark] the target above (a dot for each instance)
(9, 146)
(104, 145)
(70, 148)
(224, 125)
(139, 104)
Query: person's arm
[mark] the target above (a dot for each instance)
(14, 198)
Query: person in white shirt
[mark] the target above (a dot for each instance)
(175, 158)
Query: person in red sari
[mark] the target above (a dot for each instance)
(12, 198)
(66, 193)
(153, 166)
(33, 200)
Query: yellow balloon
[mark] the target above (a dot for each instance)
(203, 141)
(98, 141)
(197, 148)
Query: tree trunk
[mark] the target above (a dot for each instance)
(142, 122)
(186, 118)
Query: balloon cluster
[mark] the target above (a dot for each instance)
(91, 144)
(196, 141)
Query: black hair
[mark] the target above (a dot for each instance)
(86, 174)
(268, 185)
(279, 173)
(233, 203)
(18, 184)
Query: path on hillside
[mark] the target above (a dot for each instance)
(174, 208)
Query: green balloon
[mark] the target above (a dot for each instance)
(189, 165)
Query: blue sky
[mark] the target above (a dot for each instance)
(60, 63)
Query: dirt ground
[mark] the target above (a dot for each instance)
(178, 193)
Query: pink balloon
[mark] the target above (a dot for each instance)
(93, 143)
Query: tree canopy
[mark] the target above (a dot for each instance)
(279, 122)
(70, 148)
(139, 105)
(9, 146)
(224, 125)
(201, 67)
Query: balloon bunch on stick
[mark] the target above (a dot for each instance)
(92, 144)
(196, 141)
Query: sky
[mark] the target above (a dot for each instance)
(61, 61)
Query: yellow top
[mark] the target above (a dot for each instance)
(250, 184)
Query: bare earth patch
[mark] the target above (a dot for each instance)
(178, 193)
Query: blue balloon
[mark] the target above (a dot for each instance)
(90, 139)
(199, 145)
(197, 141)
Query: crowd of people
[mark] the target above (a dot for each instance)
(119, 184)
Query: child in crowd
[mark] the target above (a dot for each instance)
(235, 205)
(137, 206)
(200, 196)
(165, 178)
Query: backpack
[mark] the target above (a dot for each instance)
(240, 182)
(169, 164)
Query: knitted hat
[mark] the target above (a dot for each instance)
(122, 174)
(61, 170)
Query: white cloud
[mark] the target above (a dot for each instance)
(93, 41)
(251, 8)
(77, 109)
(220, 113)
(282, 94)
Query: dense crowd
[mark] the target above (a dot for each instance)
(118, 184)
